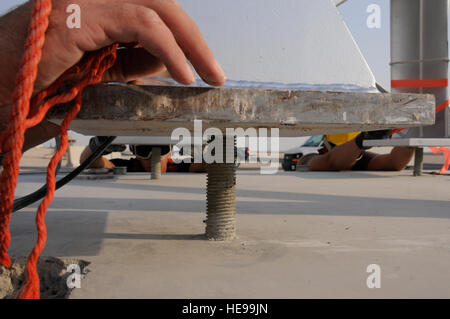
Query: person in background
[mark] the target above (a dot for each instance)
(352, 155)
(142, 161)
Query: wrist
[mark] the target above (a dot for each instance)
(13, 34)
(4, 116)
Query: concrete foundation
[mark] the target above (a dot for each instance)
(301, 235)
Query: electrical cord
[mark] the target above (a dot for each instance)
(57, 146)
(27, 200)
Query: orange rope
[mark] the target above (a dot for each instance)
(25, 115)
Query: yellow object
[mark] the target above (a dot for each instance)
(338, 139)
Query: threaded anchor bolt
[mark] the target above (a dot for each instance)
(418, 161)
(156, 162)
(221, 199)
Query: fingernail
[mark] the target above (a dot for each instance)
(215, 83)
(191, 74)
(192, 78)
(222, 77)
(216, 77)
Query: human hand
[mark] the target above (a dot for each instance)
(168, 38)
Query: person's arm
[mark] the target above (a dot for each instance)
(44, 131)
(34, 136)
(100, 162)
(342, 157)
(13, 34)
(396, 160)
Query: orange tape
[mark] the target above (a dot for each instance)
(426, 83)
(446, 152)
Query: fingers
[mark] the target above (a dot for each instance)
(134, 23)
(161, 27)
(132, 64)
(189, 38)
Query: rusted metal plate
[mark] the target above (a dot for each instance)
(132, 110)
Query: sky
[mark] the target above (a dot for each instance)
(374, 43)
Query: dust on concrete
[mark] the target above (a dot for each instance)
(52, 274)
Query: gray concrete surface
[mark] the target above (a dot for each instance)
(300, 235)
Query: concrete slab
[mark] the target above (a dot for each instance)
(301, 235)
(129, 110)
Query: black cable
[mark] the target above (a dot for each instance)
(57, 146)
(22, 202)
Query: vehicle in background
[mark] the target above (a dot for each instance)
(291, 157)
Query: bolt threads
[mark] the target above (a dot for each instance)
(221, 198)
(156, 162)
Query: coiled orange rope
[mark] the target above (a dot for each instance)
(25, 115)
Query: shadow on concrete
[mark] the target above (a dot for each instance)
(155, 236)
(74, 233)
(346, 175)
(322, 175)
(69, 233)
(268, 203)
